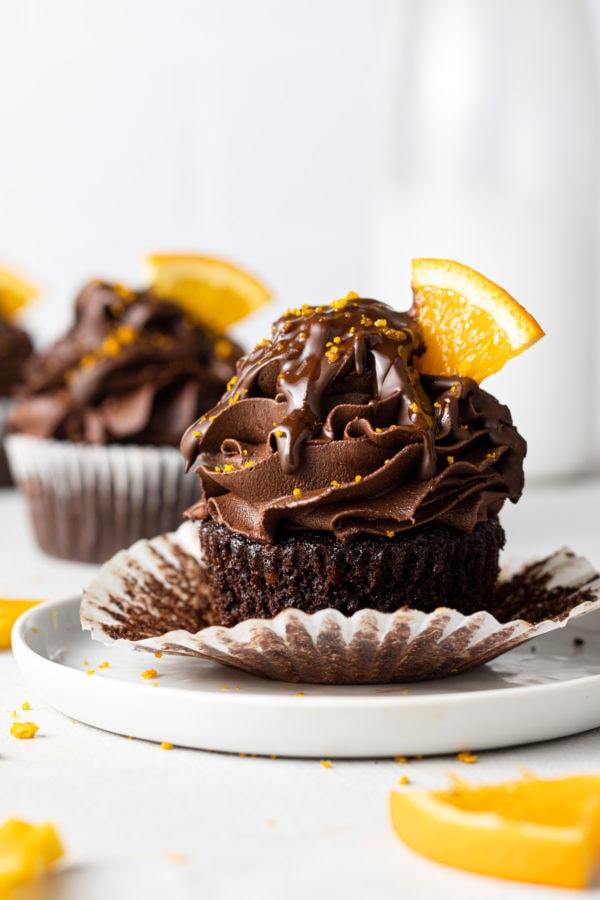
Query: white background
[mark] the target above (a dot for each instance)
(247, 129)
(260, 131)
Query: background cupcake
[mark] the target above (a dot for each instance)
(336, 474)
(15, 349)
(93, 436)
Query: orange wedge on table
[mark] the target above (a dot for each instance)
(470, 325)
(10, 610)
(26, 851)
(215, 293)
(15, 292)
(536, 830)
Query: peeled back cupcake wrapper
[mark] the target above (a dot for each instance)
(154, 597)
(88, 501)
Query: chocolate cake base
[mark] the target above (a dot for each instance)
(425, 568)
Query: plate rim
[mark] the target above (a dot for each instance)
(265, 707)
(460, 697)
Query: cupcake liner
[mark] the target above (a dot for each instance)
(87, 502)
(154, 597)
(6, 404)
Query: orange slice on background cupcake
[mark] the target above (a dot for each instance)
(215, 293)
(470, 325)
(545, 831)
(15, 292)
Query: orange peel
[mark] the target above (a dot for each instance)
(215, 293)
(545, 831)
(15, 292)
(10, 610)
(26, 851)
(470, 325)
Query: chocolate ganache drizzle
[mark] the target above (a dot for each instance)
(132, 369)
(329, 426)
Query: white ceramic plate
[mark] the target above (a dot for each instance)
(547, 688)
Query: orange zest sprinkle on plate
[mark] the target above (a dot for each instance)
(149, 673)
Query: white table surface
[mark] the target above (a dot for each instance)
(138, 821)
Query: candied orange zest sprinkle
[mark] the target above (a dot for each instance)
(466, 757)
(149, 673)
(326, 763)
(24, 731)
(166, 745)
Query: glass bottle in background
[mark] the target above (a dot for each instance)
(492, 159)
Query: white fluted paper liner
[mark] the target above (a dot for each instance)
(87, 502)
(147, 595)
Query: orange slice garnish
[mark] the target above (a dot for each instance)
(26, 851)
(213, 292)
(15, 292)
(536, 830)
(10, 610)
(470, 325)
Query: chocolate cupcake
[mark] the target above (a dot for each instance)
(335, 475)
(94, 434)
(15, 349)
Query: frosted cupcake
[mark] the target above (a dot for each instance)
(335, 475)
(15, 349)
(349, 524)
(94, 434)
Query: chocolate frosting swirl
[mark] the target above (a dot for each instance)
(132, 369)
(329, 426)
(15, 348)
